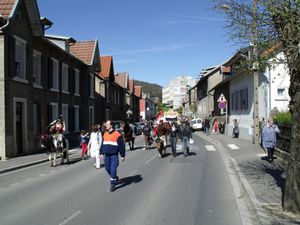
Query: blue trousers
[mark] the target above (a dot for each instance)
(111, 163)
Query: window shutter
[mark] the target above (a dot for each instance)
(49, 112)
(50, 73)
(71, 118)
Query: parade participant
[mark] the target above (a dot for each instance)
(173, 139)
(269, 138)
(57, 128)
(147, 135)
(84, 140)
(95, 144)
(185, 134)
(112, 146)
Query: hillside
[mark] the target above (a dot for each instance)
(154, 90)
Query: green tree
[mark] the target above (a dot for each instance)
(277, 25)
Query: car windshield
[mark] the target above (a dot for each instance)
(199, 121)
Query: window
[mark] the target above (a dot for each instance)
(36, 68)
(65, 78)
(55, 84)
(92, 88)
(102, 89)
(65, 114)
(280, 91)
(76, 79)
(239, 100)
(54, 111)
(76, 118)
(36, 119)
(20, 58)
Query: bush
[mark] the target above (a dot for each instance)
(283, 117)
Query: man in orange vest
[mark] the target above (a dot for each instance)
(112, 146)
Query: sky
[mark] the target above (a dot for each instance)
(153, 40)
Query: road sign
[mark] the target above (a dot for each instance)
(222, 98)
(222, 105)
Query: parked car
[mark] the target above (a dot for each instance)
(196, 124)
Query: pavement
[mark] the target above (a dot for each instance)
(261, 181)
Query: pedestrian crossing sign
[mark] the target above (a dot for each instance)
(222, 98)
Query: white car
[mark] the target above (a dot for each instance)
(196, 124)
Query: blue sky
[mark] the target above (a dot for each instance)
(152, 40)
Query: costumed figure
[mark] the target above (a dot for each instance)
(56, 128)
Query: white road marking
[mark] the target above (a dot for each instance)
(150, 159)
(70, 218)
(210, 148)
(134, 172)
(262, 154)
(233, 146)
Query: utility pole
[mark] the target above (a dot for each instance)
(255, 68)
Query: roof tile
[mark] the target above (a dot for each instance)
(84, 50)
(106, 66)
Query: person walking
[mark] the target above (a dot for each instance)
(185, 136)
(173, 139)
(112, 146)
(269, 138)
(147, 135)
(235, 130)
(95, 144)
(84, 140)
(206, 124)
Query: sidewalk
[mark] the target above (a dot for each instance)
(262, 181)
(25, 161)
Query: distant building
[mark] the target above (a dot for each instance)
(176, 92)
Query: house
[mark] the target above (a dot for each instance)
(40, 78)
(238, 89)
(122, 79)
(147, 108)
(205, 99)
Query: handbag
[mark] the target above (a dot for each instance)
(191, 141)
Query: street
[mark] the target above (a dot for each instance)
(151, 190)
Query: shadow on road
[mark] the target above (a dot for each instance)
(128, 180)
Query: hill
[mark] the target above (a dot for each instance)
(154, 90)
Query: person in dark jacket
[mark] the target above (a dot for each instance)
(185, 136)
(112, 146)
(173, 139)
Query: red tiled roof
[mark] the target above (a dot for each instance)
(106, 66)
(131, 85)
(6, 7)
(122, 79)
(138, 91)
(84, 50)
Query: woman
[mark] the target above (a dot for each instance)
(173, 139)
(236, 130)
(95, 144)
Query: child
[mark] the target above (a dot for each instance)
(84, 140)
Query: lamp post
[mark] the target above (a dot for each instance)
(255, 67)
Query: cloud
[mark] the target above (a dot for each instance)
(183, 19)
(173, 47)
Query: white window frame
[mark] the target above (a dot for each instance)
(77, 82)
(36, 69)
(65, 78)
(21, 74)
(92, 85)
(76, 118)
(55, 75)
(54, 105)
(36, 118)
(102, 88)
(65, 115)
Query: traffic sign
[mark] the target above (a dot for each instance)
(222, 98)
(222, 105)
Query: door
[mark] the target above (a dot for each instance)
(19, 127)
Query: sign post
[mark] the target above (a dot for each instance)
(222, 105)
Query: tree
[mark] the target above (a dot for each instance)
(277, 25)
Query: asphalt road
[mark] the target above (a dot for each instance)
(151, 190)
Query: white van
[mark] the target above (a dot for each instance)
(196, 124)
